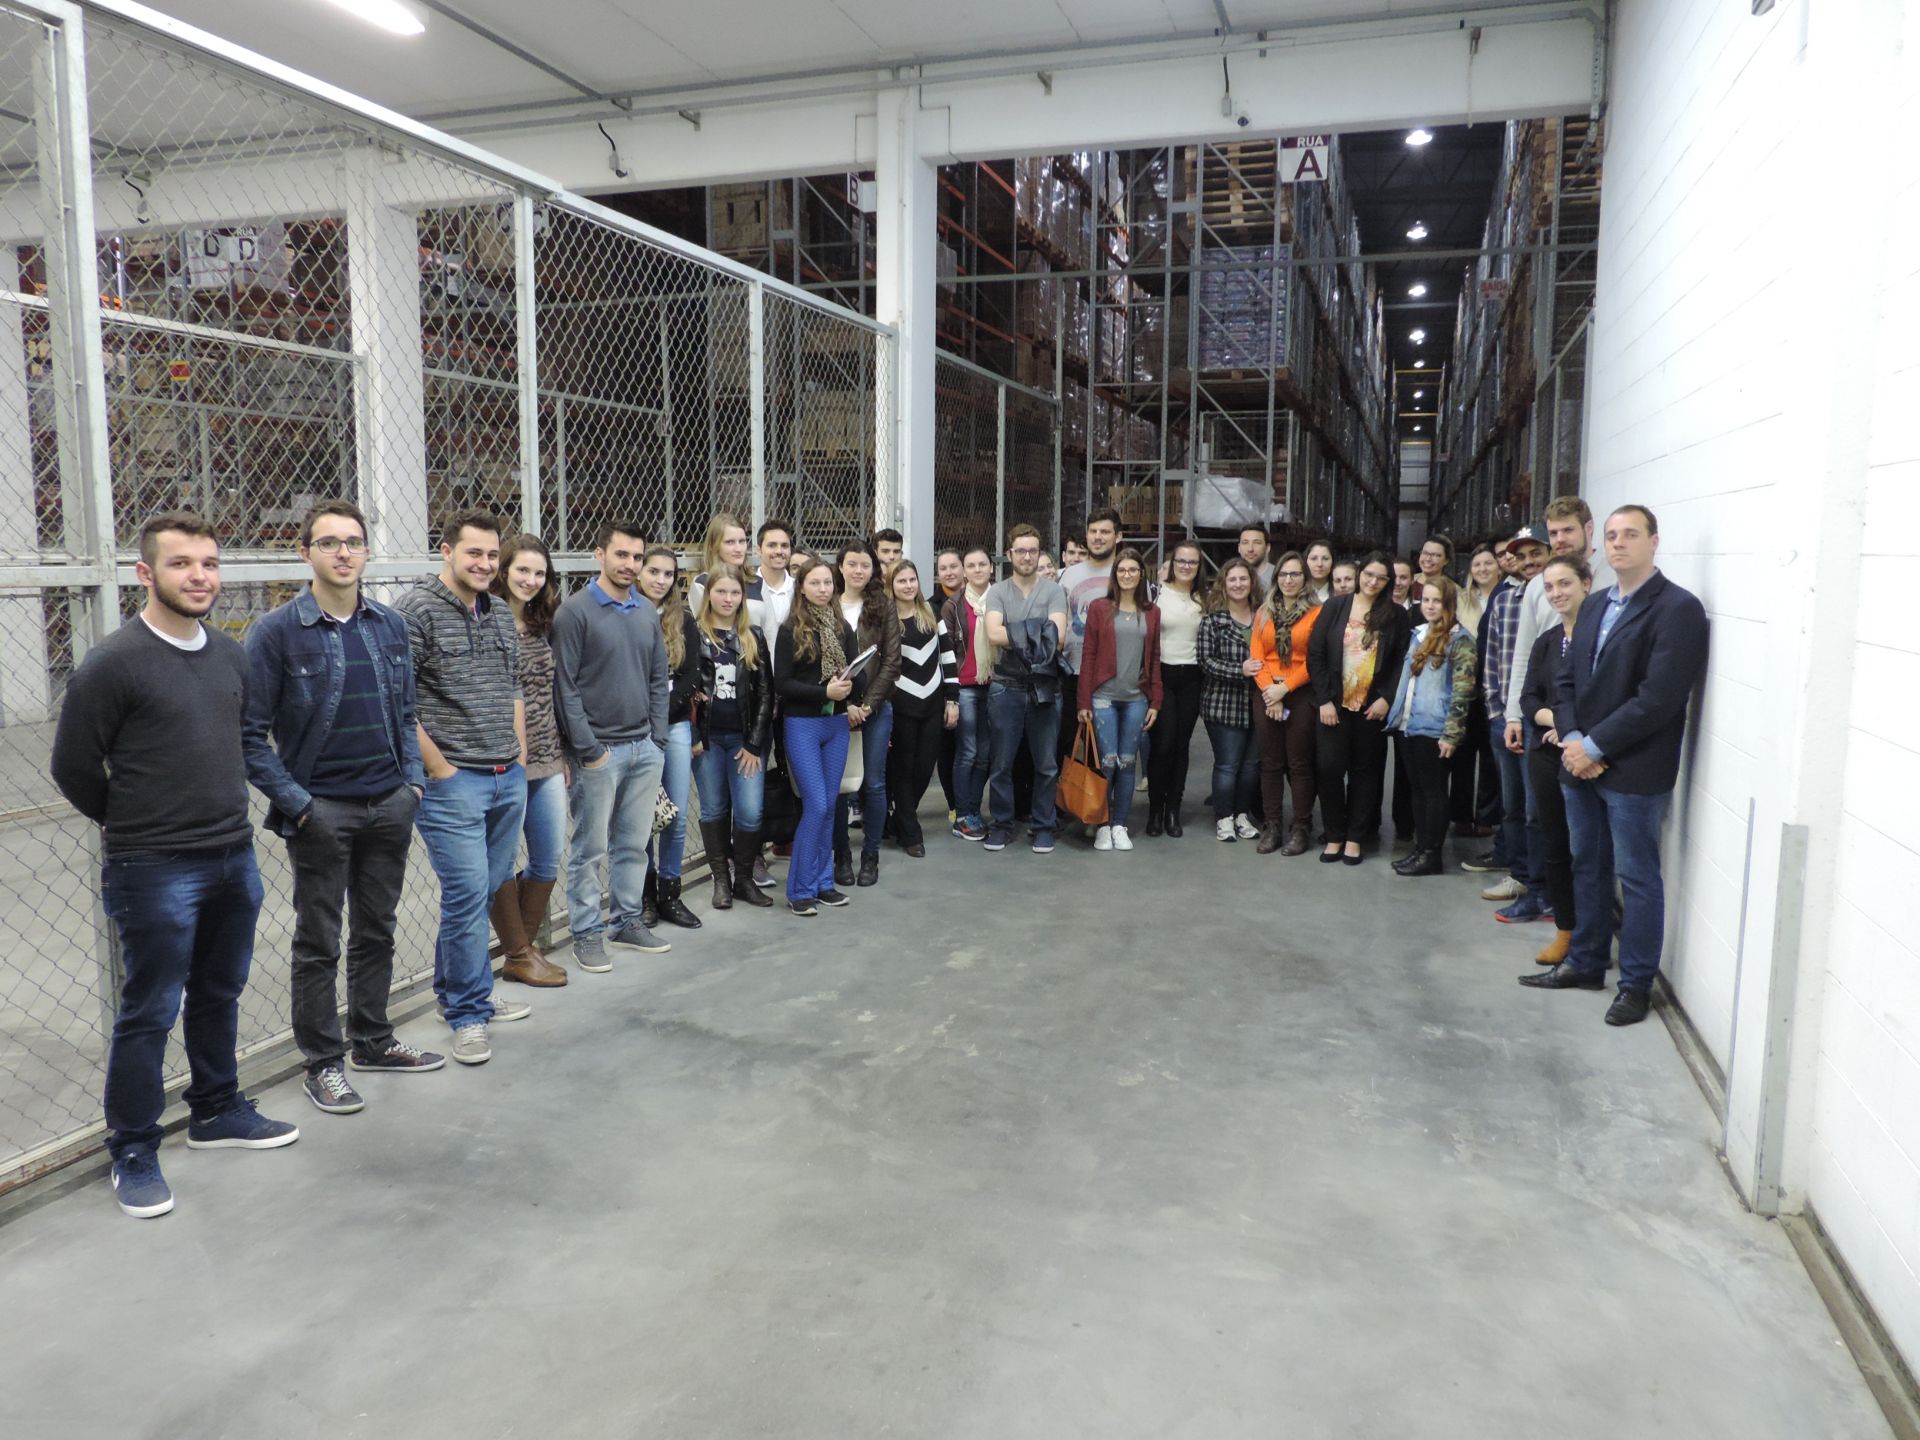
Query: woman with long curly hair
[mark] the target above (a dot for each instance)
(869, 608)
(1353, 659)
(659, 572)
(1430, 706)
(732, 733)
(1283, 720)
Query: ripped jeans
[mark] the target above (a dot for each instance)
(1119, 726)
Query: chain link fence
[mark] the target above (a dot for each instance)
(996, 458)
(225, 291)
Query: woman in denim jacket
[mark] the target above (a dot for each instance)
(1430, 709)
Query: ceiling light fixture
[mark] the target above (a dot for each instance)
(1419, 394)
(1419, 337)
(1419, 364)
(1418, 232)
(1417, 138)
(388, 15)
(1417, 289)
(1416, 429)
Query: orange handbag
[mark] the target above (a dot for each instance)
(1083, 785)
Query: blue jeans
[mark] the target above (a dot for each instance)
(1017, 719)
(1510, 845)
(1618, 834)
(1119, 728)
(545, 827)
(470, 822)
(874, 737)
(816, 757)
(973, 743)
(612, 821)
(1236, 770)
(185, 922)
(676, 779)
(723, 787)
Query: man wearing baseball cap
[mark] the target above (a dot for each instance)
(1500, 629)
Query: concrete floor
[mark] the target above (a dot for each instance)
(1184, 1142)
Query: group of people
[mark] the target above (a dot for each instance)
(802, 699)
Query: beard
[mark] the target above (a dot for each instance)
(179, 604)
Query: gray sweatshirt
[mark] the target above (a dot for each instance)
(610, 668)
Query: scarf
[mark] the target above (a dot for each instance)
(1285, 617)
(981, 648)
(833, 656)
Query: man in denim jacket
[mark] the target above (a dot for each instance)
(331, 681)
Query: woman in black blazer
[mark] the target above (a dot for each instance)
(1353, 666)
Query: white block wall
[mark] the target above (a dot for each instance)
(1754, 382)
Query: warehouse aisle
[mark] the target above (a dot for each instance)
(1015, 1146)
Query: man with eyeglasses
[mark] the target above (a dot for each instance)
(330, 741)
(1026, 617)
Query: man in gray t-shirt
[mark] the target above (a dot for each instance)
(1026, 620)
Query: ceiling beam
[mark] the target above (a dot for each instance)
(494, 38)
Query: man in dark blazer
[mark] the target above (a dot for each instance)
(1620, 706)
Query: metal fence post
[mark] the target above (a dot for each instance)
(757, 402)
(529, 363)
(79, 371)
(1000, 469)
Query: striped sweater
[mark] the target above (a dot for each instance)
(929, 670)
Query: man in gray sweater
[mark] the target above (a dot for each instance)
(610, 668)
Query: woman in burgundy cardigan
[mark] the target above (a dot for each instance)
(1120, 686)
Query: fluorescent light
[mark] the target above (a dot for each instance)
(1419, 364)
(1419, 394)
(1416, 429)
(1417, 138)
(388, 15)
(1418, 232)
(1417, 289)
(1419, 337)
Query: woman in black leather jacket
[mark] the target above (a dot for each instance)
(731, 729)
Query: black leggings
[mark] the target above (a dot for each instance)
(1429, 774)
(910, 765)
(1180, 689)
(1350, 756)
(1556, 847)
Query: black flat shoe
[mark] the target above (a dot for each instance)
(1629, 1007)
(1351, 859)
(1564, 977)
(1329, 857)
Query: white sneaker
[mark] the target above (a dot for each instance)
(1103, 838)
(1122, 840)
(1244, 827)
(1223, 830)
(1506, 888)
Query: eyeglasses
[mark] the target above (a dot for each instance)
(1019, 554)
(1186, 562)
(333, 545)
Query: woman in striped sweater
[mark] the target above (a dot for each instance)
(926, 704)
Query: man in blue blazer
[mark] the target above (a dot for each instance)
(1620, 706)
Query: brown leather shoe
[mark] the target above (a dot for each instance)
(530, 967)
(1297, 841)
(1556, 948)
(1269, 838)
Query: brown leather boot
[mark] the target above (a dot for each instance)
(534, 897)
(1297, 841)
(713, 836)
(524, 964)
(1269, 838)
(1556, 948)
(746, 845)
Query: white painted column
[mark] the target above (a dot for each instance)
(24, 693)
(907, 222)
(383, 266)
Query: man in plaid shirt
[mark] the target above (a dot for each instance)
(1501, 629)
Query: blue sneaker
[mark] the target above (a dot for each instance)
(996, 840)
(1043, 842)
(969, 827)
(240, 1126)
(1528, 907)
(138, 1184)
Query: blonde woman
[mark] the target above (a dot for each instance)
(731, 733)
(1430, 707)
(725, 543)
(816, 686)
